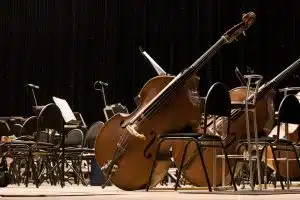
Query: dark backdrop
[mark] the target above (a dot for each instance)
(64, 46)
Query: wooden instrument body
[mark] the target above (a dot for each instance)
(134, 166)
(193, 172)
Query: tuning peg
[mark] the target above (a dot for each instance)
(244, 33)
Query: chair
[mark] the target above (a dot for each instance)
(285, 92)
(4, 129)
(88, 150)
(74, 138)
(217, 103)
(50, 142)
(91, 135)
(29, 127)
(288, 113)
(16, 130)
(73, 142)
(20, 148)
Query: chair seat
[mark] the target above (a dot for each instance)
(284, 141)
(180, 135)
(78, 149)
(45, 144)
(209, 137)
(260, 139)
(240, 105)
(23, 142)
(281, 141)
(25, 137)
(206, 137)
(73, 149)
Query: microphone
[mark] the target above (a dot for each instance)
(33, 86)
(141, 49)
(103, 83)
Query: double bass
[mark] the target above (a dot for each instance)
(125, 144)
(265, 122)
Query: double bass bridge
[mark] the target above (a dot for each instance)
(132, 130)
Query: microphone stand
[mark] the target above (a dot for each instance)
(102, 91)
(34, 98)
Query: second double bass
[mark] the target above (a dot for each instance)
(264, 106)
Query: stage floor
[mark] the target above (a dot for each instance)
(112, 193)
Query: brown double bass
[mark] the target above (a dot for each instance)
(125, 144)
(265, 116)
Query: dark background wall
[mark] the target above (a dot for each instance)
(64, 46)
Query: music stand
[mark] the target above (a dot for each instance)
(159, 70)
(66, 111)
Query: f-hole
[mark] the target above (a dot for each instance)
(146, 154)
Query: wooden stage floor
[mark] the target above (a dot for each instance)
(113, 193)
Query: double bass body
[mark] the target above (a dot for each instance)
(126, 144)
(133, 166)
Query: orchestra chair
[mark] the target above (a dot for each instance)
(50, 145)
(288, 113)
(253, 83)
(286, 91)
(84, 151)
(87, 151)
(4, 129)
(16, 130)
(287, 105)
(217, 103)
(20, 147)
(73, 141)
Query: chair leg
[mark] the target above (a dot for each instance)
(229, 168)
(181, 164)
(258, 164)
(277, 167)
(204, 167)
(265, 168)
(296, 155)
(249, 146)
(153, 165)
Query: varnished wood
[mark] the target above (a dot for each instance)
(176, 107)
(134, 167)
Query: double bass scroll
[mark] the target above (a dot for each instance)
(164, 107)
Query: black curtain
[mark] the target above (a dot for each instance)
(64, 46)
